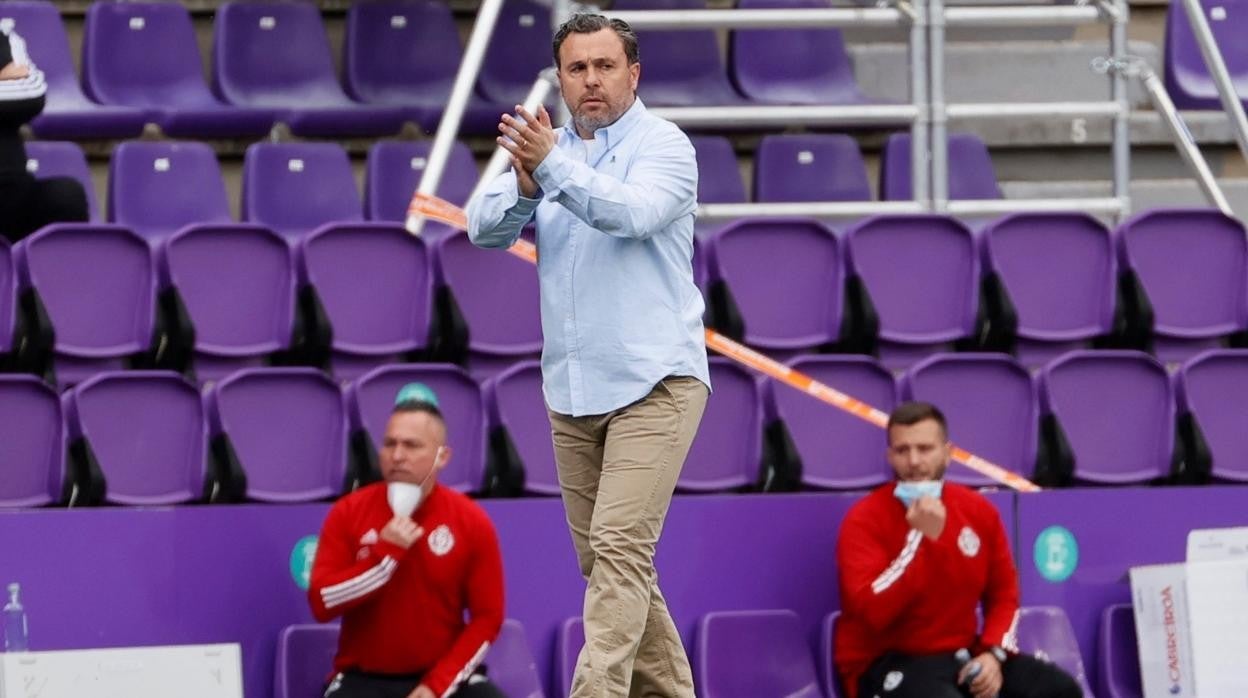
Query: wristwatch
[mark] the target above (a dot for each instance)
(999, 653)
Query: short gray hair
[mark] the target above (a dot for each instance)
(586, 23)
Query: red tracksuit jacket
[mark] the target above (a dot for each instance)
(403, 610)
(902, 592)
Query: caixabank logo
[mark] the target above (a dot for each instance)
(1174, 664)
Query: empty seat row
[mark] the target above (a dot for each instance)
(1172, 281)
(157, 188)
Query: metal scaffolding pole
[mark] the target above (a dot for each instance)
(936, 94)
(920, 126)
(1118, 93)
(1183, 140)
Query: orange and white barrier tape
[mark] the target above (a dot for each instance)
(452, 215)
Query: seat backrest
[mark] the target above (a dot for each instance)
(719, 176)
(272, 54)
(511, 664)
(683, 67)
(1193, 265)
(460, 399)
(754, 653)
(516, 403)
(826, 664)
(792, 65)
(838, 450)
(34, 442)
(98, 284)
(814, 167)
(46, 159)
(156, 188)
(1117, 411)
(1118, 653)
(141, 54)
(8, 297)
(398, 48)
(922, 273)
(295, 187)
(1212, 386)
(1045, 631)
(238, 285)
(1187, 76)
(519, 51)
(990, 403)
(147, 431)
(395, 169)
(305, 660)
(39, 23)
(288, 427)
(971, 174)
(1060, 272)
(390, 313)
(510, 329)
(799, 309)
(727, 450)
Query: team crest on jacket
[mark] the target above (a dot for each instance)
(968, 542)
(441, 541)
(892, 680)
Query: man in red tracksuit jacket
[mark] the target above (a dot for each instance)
(917, 558)
(402, 583)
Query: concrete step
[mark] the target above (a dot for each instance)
(1145, 194)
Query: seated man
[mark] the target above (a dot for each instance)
(26, 203)
(917, 558)
(401, 561)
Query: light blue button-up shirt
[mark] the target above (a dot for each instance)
(615, 217)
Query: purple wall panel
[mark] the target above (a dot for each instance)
(1115, 529)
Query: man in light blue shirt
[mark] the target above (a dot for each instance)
(624, 359)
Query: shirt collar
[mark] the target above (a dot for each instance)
(614, 133)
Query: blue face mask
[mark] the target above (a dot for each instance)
(910, 491)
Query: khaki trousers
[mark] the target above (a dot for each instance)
(617, 472)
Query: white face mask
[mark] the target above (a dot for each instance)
(910, 491)
(404, 497)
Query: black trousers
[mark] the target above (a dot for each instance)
(27, 204)
(933, 676)
(359, 685)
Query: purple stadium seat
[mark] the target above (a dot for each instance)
(238, 285)
(783, 314)
(405, 53)
(990, 402)
(1212, 386)
(98, 283)
(288, 427)
(719, 175)
(46, 159)
(793, 66)
(375, 284)
(305, 660)
(827, 668)
(1045, 631)
(144, 55)
(157, 187)
(8, 298)
(1193, 266)
(815, 167)
(568, 646)
(682, 68)
(971, 175)
(272, 55)
(1060, 272)
(727, 451)
(295, 187)
(68, 114)
(922, 273)
(1118, 654)
(516, 403)
(394, 172)
(34, 442)
(147, 431)
(1187, 78)
(502, 329)
(747, 654)
(511, 665)
(838, 450)
(371, 399)
(519, 51)
(1117, 410)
